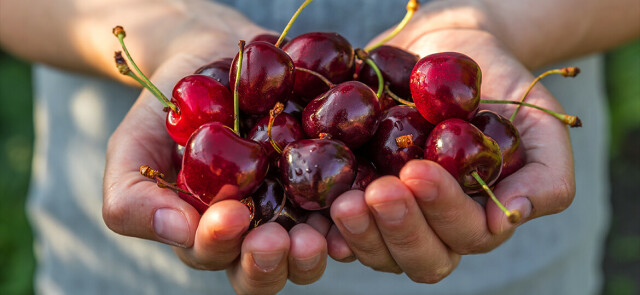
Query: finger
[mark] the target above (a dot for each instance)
(218, 237)
(412, 243)
(457, 219)
(307, 255)
(337, 246)
(262, 268)
(319, 223)
(352, 217)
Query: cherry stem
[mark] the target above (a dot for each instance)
(124, 69)
(318, 75)
(513, 216)
(404, 141)
(291, 21)
(566, 72)
(572, 121)
(397, 98)
(273, 113)
(412, 7)
(119, 32)
(236, 95)
(364, 56)
(156, 175)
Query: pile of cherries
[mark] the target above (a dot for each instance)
(286, 127)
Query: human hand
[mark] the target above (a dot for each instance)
(257, 262)
(421, 222)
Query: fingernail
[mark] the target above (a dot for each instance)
(391, 212)
(307, 263)
(267, 261)
(171, 225)
(356, 224)
(522, 204)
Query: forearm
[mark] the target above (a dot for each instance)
(536, 32)
(76, 34)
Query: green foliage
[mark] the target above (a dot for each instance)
(16, 141)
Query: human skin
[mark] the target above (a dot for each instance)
(433, 203)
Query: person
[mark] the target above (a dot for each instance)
(419, 224)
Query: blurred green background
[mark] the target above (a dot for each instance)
(622, 261)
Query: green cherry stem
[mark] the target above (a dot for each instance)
(397, 98)
(273, 113)
(291, 21)
(572, 121)
(119, 32)
(318, 75)
(124, 69)
(412, 7)
(566, 72)
(236, 96)
(513, 216)
(364, 56)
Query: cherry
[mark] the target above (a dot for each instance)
(328, 54)
(269, 203)
(286, 129)
(446, 85)
(396, 66)
(384, 149)
(461, 148)
(217, 69)
(218, 164)
(293, 108)
(199, 99)
(314, 172)
(506, 135)
(200, 206)
(269, 38)
(267, 77)
(177, 153)
(348, 112)
(365, 174)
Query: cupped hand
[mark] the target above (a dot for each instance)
(421, 222)
(257, 262)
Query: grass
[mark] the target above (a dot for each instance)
(622, 261)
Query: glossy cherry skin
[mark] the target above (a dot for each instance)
(269, 38)
(396, 66)
(286, 129)
(267, 201)
(314, 172)
(507, 136)
(293, 108)
(267, 77)
(328, 54)
(461, 148)
(194, 201)
(218, 70)
(218, 164)
(395, 122)
(200, 99)
(365, 174)
(177, 153)
(348, 112)
(446, 85)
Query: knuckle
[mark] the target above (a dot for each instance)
(565, 192)
(431, 276)
(113, 214)
(477, 243)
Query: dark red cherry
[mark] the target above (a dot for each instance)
(293, 108)
(267, 77)
(383, 148)
(218, 164)
(200, 206)
(286, 129)
(328, 54)
(314, 172)
(177, 153)
(446, 85)
(200, 99)
(396, 66)
(269, 38)
(365, 174)
(506, 135)
(461, 148)
(268, 200)
(218, 70)
(348, 112)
